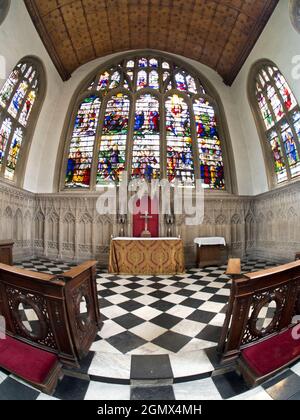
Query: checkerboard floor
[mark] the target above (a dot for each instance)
(155, 328)
(152, 315)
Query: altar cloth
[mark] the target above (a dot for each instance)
(146, 256)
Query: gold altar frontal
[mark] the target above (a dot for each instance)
(146, 256)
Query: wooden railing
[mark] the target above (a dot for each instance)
(249, 295)
(62, 311)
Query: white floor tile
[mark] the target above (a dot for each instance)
(148, 331)
(191, 363)
(257, 393)
(203, 389)
(146, 312)
(188, 327)
(110, 328)
(110, 365)
(107, 392)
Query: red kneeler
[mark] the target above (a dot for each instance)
(38, 367)
(262, 360)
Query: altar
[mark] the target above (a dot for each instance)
(146, 256)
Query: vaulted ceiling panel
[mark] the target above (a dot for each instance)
(218, 33)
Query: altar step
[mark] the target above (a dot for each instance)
(147, 369)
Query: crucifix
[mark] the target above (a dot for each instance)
(146, 233)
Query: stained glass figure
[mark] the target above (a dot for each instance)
(153, 80)
(142, 79)
(209, 145)
(82, 143)
(290, 148)
(111, 160)
(115, 80)
(165, 65)
(13, 154)
(180, 163)
(279, 165)
(25, 114)
(180, 82)
(8, 87)
(153, 62)
(146, 140)
(130, 64)
(103, 81)
(191, 84)
(166, 74)
(17, 99)
(5, 131)
(281, 116)
(143, 62)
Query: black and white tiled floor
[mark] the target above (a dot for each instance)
(155, 329)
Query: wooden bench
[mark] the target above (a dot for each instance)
(60, 326)
(39, 368)
(260, 352)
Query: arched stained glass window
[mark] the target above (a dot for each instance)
(18, 102)
(149, 115)
(111, 162)
(180, 164)
(280, 116)
(146, 140)
(82, 143)
(209, 145)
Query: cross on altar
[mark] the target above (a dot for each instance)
(146, 233)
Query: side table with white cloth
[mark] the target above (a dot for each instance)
(210, 251)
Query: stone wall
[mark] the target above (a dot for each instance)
(68, 227)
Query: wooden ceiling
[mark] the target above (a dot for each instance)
(218, 33)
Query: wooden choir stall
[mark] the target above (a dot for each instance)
(262, 350)
(56, 315)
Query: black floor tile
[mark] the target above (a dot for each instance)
(171, 341)
(210, 333)
(10, 389)
(130, 305)
(219, 299)
(152, 393)
(128, 321)
(162, 305)
(166, 320)
(126, 341)
(71, 388)
(201, 316)
(151, 367)
(230, 384)
(192, 303)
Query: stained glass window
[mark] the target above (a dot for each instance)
(111, 161)
(142, 122)
(18, 98)
(13, 153)
(82, 143)
(209, 145)
(180, 164)
(281, 117)
(146, 140)
(5, 131)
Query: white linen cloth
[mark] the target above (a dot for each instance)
(210, 241)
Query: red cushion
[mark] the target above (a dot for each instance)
(23, 360)
(273, 353)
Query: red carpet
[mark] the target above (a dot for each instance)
(23, 360)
